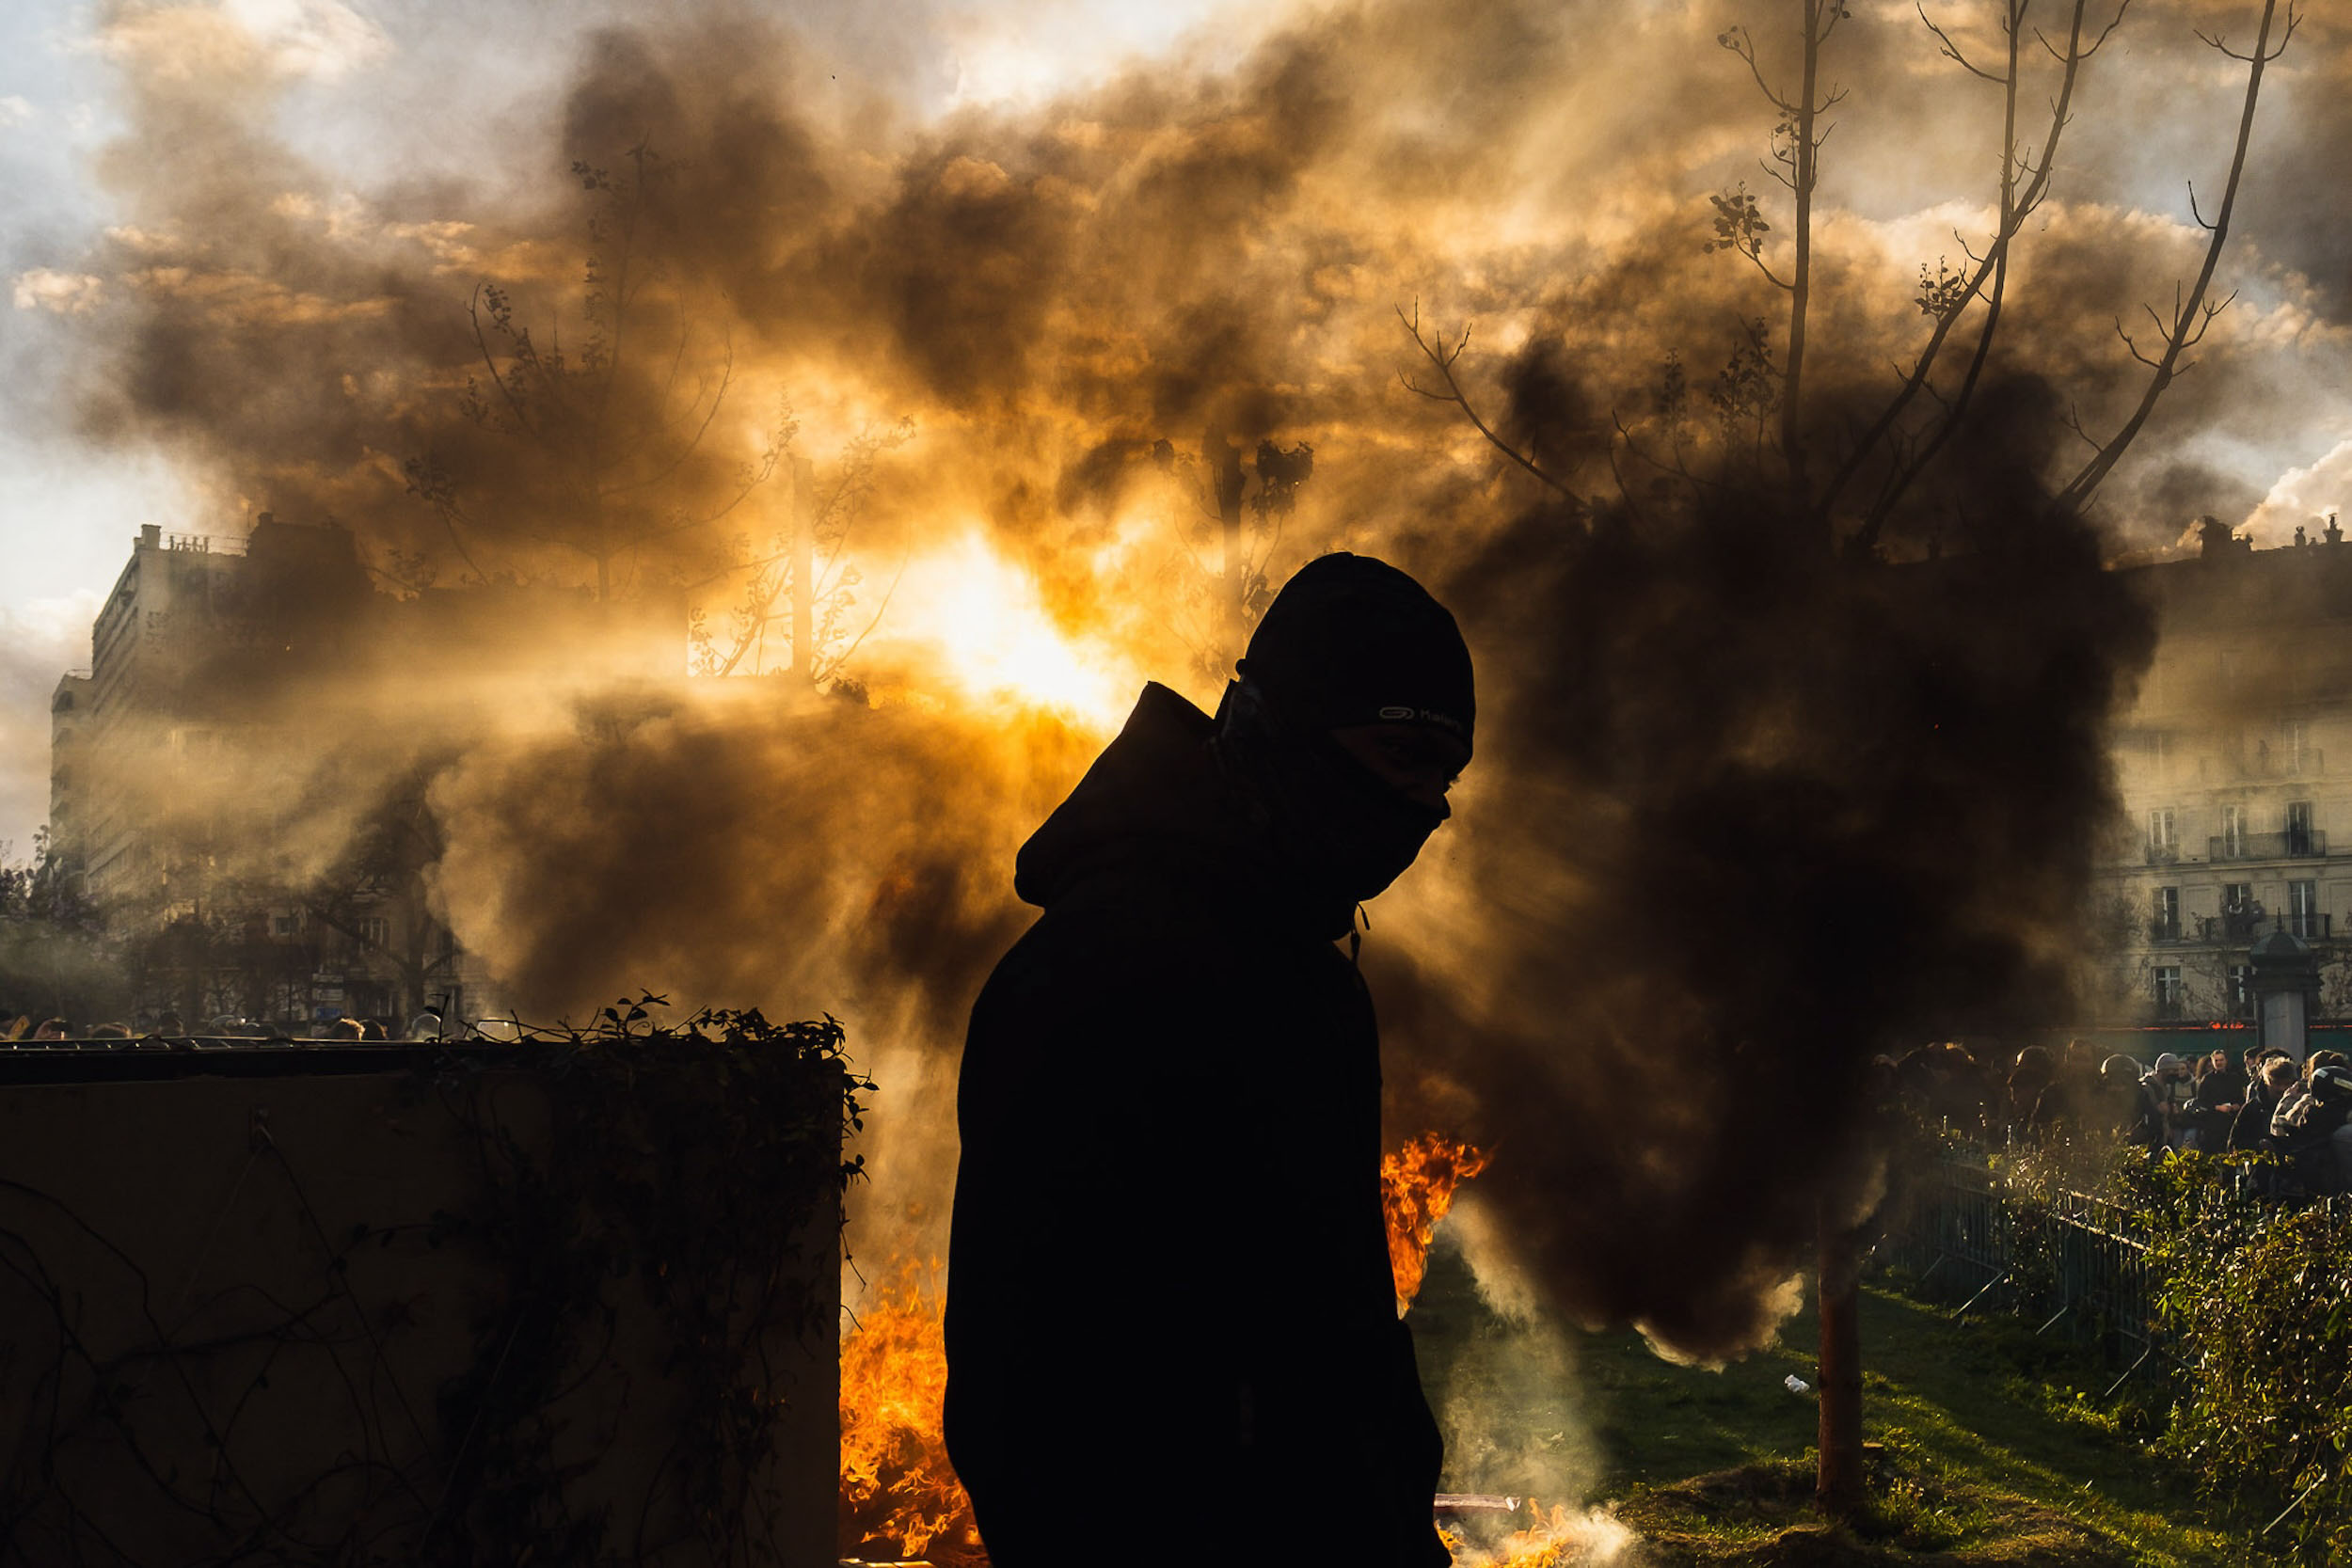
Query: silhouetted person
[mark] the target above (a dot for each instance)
(2220, 1094)
(2125, 1107)
(2273, 1075)
(2302, 1127)
(2029, 1075)
(1171, 1326)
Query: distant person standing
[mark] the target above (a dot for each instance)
(1169, 1276)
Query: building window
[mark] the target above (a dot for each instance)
(2299, 837)
(2163, 847)
(2232, 842)
(376, 931)
(2299, 754)
(285, 925)
(2241, 989)
(2241, 917)
(2167, 990)
(2303, 916)
(2164, 923)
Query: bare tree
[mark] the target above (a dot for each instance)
(620, 425)
(807, 576)
(1248, 526)
(375, 895)
(1841, 486)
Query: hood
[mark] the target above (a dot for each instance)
(1157, 801)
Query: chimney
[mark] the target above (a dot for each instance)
(264, 519)
(151, 536)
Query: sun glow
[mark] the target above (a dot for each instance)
(997, 642)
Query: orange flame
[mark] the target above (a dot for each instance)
(1560, 1537)
(1416, 1185)
(897, 1490)
(896, 1486)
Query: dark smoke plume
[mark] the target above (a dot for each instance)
(1757, 814)
(1746, 812)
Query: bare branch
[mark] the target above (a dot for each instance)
(2165, 367)
(1442, 360)
(1736, 40)
(1950, 51)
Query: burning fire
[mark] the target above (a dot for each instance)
(1416, 1185)
(1560, 1537)
(896, 1486)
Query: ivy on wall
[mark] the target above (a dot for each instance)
(649, 1232)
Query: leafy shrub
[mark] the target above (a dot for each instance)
(2257, 1299)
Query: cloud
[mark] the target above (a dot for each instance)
(321, 38)
(68, 294)
(2304, 497)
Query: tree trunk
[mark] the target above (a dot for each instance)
(803, 569)
(1837, 1485)
(1222, 460)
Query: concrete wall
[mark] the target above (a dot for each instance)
(196, 1358)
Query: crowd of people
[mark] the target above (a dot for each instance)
(2267, 1103)
(16, 1026)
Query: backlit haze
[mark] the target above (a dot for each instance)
(978, 262)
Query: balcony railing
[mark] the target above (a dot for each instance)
(2294, 843)
(2164, 854)
(2164, 931)
(2233, 927)
(2232, 931)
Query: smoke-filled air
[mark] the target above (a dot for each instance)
(766, 501)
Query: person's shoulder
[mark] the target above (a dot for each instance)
(1114, 942)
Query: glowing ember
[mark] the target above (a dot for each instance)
(897, 1487)
(1416, 1185)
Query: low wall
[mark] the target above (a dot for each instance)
(245, 1310)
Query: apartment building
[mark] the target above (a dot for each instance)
(205, 661)
(2237, 826)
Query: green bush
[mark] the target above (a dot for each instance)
(2256, 1299)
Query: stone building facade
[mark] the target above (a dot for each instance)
(209, 662)
(2234, 764)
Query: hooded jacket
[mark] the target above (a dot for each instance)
(1172, 1325)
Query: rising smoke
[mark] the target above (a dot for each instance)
(1744, 814)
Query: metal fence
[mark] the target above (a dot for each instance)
(2071, 1263)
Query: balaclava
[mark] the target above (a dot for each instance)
(1349, 641)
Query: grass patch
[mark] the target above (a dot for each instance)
(1992, 1446)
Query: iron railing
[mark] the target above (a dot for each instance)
(2240, 927)
(2073, 1262)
